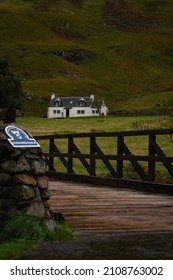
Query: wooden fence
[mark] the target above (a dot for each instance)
(114, 162)
(146, 124)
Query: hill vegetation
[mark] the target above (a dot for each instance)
(118, 50)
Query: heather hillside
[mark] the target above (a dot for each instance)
(119, 50)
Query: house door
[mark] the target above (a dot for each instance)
(67, 113)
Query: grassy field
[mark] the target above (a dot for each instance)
(42, 126)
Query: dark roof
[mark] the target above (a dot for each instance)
(69, 102)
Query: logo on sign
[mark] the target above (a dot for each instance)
(19, 138)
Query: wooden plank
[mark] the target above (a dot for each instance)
(96, 208)
(151, 165)
(134, 162)
(59, 154)
(104, 160)
(159, 152)
(108, 134)
(114, 182)
(81, 157)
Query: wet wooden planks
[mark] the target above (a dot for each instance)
(98, 208)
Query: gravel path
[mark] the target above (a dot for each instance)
(108, 246)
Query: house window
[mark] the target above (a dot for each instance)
(82, 102)
(58, 102)
(56, 112)
(94, 111)
(80, 112)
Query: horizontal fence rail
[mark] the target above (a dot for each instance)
(144, 166)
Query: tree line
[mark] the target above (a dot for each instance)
(11, 93)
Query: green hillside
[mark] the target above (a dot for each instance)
(119, 50)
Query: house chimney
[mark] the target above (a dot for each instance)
(92, 97)
(53, 96)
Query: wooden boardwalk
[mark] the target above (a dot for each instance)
(90, 208)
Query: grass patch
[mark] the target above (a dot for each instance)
(23, 232)
(11, 249)
(43, 126)
(25, 227)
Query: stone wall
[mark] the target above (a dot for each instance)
(23, 184)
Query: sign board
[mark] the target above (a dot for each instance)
(19, 138)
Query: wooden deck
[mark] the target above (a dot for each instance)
(90, 208)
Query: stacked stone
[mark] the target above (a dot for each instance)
(23, 184)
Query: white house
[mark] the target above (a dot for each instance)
(64, 107)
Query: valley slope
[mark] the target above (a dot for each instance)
(119, 50)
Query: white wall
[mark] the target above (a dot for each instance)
(55, 112)
(83, 112)
(104, 110)
(59, 112)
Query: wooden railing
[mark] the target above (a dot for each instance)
(114, 163)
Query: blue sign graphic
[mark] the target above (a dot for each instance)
(19, 138)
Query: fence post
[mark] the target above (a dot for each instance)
(70, 152)
(151, 164)
(120, 140)
(92, 160)
(51, 157)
